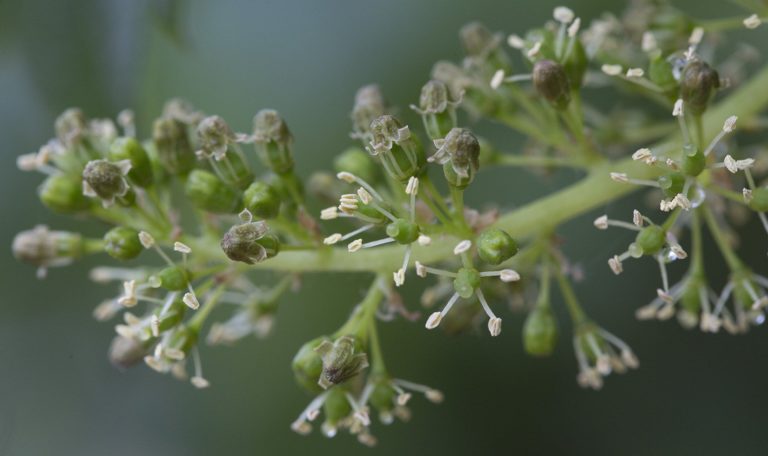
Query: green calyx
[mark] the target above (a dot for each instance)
(403, 231)
(651, 239)
(174, 278)
(671, 183)
(540, 331)
(466, 282)
(494, 246)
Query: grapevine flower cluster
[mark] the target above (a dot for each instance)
(200, 215)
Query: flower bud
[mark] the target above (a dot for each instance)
(759, 201)
(540, 331)
(206, 191)
(357, 162)
(336, 407)
(125, 352)
(551, 82)
(63, 193)
(342, 360)
(383, 397)
(466, 282)
(122, 243)
(671, 184)
(174, 278)
(403, 231)
(250, 243)
(495, 246)
(459, 153)
(660, 72)
(307, 365)
(477, 40)
(273, 141)
(437, 110)
(262, 200)
(71, 126)
(130, 149)
(172, 144)
(106, 180)
(694, 160)
(698, 85)
(651, 239)
(369, 104)
(44, 248)
(401, 156)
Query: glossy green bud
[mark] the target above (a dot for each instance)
(671, 184)
(122, 243)
(357, 162)
(759, 201)
(342, 360)
(250, 243)
(651, 239)
(494, 246)
(141, 167)
(403, 231)
(106, 179)
(540, 331)
(174, 278)
(551, 81)
(466, 282)
(172, 145)
(206, 191)
(694, 160)
(262, 200)
(307, 365)
(125, 352)
(336, 407)
(273, 141)
(698, 85)
(63, 193)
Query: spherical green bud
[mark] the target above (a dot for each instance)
(759, 201)
(694, 160)
(342, 360)
(262, 200)
(307, 365)
(403, 231)
(206, 191)
(250, 243)
(105, 179)
(461, 150)
(551, 81)
(125, 352)
(122, 243)
(63, 193)
(383, 397)
(357, 162)
(369, 104)
(174, 278)
(672, 184)
(336, 406)
(698, 85)
(651, 239)
(540, 331)
(690, 300)
(466, 282)
(494, 246)
(130, 149)
(174, 150)
(400, 153)
(44, 248)
(273, 141)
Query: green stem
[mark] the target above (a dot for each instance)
(196, 322)
(722, 243)
(569, 297)
(534, 160)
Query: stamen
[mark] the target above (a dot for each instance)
(198, 379)
(351, 178)
(434, 320)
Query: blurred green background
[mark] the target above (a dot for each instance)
(694, 393)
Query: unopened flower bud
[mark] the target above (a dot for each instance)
(336, 407)
(466, 282)
(698, 85)
(174, 150)
(206, 191)
(357, 162)
(122, 243)
(403, 231)
(250, 243)
(369, 104)
(44, 248)
(125, 352)
(694, 160)
(262, 200)
(106, 179)
(141, 167)
(71, 126)
(273, 141)
(400, 154)
(671, 184)
(759, 201)
(494, 246)
(383, 397)
(460, 150)
(174, 278)
(342, 360)
(477, 40)
(660, 72)
(437, 109)
(214, 136)
(307, 365)
(540, 331)
(651, 239)
(551, 81)
(63, 193)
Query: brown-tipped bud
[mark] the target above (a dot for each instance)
(437, 109)
(70, 126)
(44, 248)
(369, 104)
(106, 180)
(214, 136)
(551, 82)
(250, 243)
(698, 85)
(273, 141)
(342, 360)
(461, 151)
(172, 145)
(125, 352)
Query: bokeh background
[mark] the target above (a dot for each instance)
(694, 393)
